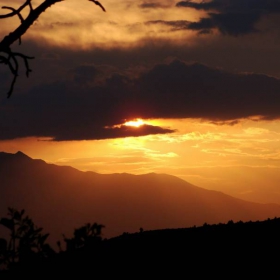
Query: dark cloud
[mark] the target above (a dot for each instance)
(195, 90)
(112, 132)
(5, 78)
(64, 110)
(232, 17)
(84, 74)
(258, 53)
(50, 56)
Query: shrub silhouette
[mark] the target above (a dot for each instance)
(84, 237)
(26, 247)
(26, 244)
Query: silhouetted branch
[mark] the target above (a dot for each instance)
(7, 56)
(15, 11)
(13, 65)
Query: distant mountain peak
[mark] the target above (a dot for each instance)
(18, 155)
(21, 154)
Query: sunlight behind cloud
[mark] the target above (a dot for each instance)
(135, 123)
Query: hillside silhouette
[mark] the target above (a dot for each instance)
(210, 250)
(61, 198)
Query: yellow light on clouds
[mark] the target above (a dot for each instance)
(71, 24)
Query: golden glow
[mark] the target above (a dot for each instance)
(135, 123)
(228, 158)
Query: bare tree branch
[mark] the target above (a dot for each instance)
(15, 12)
(28, 2)
(7, 56)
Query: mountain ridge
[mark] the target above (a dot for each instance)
(61, 198)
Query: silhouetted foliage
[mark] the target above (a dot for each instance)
(9, 57)
(27, 247)
(26, 242)
(86, 236)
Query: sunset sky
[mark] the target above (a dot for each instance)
(188, 88)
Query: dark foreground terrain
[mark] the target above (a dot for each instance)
(230, 250)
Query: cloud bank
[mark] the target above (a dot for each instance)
(231, 17)
(93, 104)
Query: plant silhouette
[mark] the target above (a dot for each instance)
(26, 244)
(26, 247)
(86, 236)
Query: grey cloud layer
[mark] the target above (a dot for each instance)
(232, 17)
(68, 111)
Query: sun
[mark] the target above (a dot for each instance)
(135, 123)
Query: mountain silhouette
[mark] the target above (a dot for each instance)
(61, 198)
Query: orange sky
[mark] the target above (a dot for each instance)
(241, 160)
(75, 41)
